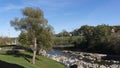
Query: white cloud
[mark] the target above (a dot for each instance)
(50, 4)
(13, 7)
(10, 7)
(47, 4)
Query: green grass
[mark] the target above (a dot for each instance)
(23, 60)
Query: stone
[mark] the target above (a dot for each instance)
(42, 52)
(114, 66)
(102, 66)
(95, 66)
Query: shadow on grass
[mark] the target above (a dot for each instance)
(4, 64)
(16, 53)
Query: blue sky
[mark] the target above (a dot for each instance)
(62, 14)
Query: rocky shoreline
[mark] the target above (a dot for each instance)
(84, 60)
(93, 60)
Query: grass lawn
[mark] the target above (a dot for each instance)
(23, 60)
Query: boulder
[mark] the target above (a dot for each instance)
(102, 66)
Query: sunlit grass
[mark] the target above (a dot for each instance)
(24, 59)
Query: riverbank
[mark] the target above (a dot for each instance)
(83, 59)
(94, 60)
(22, 59)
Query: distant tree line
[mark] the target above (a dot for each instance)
(101, 38)
(6, 41)
(65, 38)
(69, 40)
(64, 33)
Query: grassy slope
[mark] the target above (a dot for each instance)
(24, 60)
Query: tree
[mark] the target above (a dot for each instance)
(39, 33)
(23, 40)
(5, 41)
(115, 42)
(102, 37)
(88, 33)
(64, 33)
(96, 37)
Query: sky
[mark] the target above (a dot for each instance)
(61, 14)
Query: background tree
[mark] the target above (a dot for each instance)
(23, 39)
(102, 36)
(94, 37)
(88, 33)
(115, 42)
(35, 25)
(5, 41)
(64, 33)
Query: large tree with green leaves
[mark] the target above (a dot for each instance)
(33, 23)
(88, 33)
(23, 38)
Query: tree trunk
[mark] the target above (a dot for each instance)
(34, 51)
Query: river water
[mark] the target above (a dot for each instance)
(61, 56)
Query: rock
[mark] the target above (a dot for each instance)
(99, 60)
(102, 66)
(109, 61)
(42, 52)
(80, 66)
(80, 58)
(115, 61)
(114, 66)
(95, 66)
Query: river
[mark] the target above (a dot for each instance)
(81, 59)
